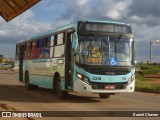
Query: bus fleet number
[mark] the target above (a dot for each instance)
(96, 78)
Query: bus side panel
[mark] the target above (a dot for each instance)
(41, 71)
(42, 81)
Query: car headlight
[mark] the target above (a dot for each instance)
(83, 78)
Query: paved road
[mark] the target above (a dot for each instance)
(14, 96)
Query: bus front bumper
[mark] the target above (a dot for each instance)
(80, 86)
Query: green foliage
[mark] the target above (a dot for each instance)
(141, 85)
(1, 60)
(139, 77)
(147, 87)
(151, 71)
(11, 63)
(153, 68)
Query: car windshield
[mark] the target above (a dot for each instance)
(109, 51)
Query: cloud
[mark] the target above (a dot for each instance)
(143, 15)
(18, 29)
(118, 10)
(144, 12)
(21, 28)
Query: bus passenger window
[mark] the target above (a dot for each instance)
(51, 51)
(47, 52)
(41, 53)
(28, 47)
(59, 51)
(40, 44)
(34, 49)
(60, 39)
(47, 47)
(55, 39)
(52, 41)
(40, 48)
(51, 46)
(48, 41)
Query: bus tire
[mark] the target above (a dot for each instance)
(104, 95)
(60, 93)
(27, 84)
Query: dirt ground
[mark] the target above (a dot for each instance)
(14, 97)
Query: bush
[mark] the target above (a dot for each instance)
(142, 85)
(139, 77)
(150, 68)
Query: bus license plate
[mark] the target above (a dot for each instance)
(110, 87)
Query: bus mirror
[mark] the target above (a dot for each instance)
(75, 42)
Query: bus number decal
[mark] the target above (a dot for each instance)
(96, 78)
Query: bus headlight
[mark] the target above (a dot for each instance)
(83, 78)
(131, 79)
(79, 76)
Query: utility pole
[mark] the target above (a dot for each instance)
(153, 42)
(150, 51)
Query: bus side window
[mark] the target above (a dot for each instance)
(25, 51)
(59, 51)
(40, 48)
(59, 47)
(34, 50)
(55, 39)
(51, 46)
(60, 39)
(47, 46)
(28, 50)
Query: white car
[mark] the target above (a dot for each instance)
(5, 66)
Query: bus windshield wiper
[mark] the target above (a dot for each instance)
(119, 38)
(117, 42)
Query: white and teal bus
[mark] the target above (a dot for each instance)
(85, 56)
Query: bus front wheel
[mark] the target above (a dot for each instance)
(28, 85)
(104, 95)
(60, 93)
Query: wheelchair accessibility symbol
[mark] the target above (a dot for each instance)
(113, 61)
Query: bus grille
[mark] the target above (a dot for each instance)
(101, 86)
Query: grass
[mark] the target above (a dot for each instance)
(141, 85)
(149, 68)
(147, 87)
(4, 68)
(139, 77)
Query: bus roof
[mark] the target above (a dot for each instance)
(101, 21)
(71, 25)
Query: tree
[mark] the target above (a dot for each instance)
(1, 60)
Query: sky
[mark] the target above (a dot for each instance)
(143, 15)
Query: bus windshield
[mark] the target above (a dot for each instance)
(108, 51)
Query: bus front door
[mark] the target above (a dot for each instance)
(21, 58)
(68, 60)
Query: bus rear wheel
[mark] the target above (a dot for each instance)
(28, 85)
(60, 93)
(104, 95)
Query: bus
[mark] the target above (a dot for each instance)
(85, 56)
